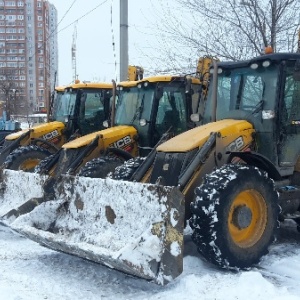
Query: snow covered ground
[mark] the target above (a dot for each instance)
(29, 271)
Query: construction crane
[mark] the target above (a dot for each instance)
(74, 53)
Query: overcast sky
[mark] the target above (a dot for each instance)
(96, 29)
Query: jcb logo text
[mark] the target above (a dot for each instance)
(236, 144)
(122, 142)
(50, 135)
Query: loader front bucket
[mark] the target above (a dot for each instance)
(20, 192)
(133, 227)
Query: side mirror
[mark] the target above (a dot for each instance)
(143, 122)
(105, 124)
(196, 118)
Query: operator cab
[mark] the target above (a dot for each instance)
(154, 106)
(266, 92)
(84, 107)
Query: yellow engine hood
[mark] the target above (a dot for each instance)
(37, 130)
(109, 133)
(196, 137)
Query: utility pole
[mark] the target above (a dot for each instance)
(123, 39)
(74, 63)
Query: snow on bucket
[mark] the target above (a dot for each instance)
(16, 189)
(133, 227)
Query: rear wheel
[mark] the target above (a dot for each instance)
(234, 216)
(100, 167)
(25, 158)
(126, 170)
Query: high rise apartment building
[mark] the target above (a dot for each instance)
(28, 55)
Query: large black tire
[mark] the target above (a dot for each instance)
(234, 216)
(126, 170)
(39, 168)
(100, 167)
(25, 158)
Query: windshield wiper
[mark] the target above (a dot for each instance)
(139, 110)
(258, 107)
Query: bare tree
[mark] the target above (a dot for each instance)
(8, 94)
(228, 29)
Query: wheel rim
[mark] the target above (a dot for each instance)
(29, 164)
(247, 218)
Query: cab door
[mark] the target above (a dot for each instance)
(289, 143)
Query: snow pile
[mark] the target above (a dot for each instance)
(128, 226)
(31, 272)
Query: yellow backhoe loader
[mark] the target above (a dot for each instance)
(77, 110)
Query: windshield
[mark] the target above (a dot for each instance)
(95, 103)
(134, 104)
(172, 110)
(94, 109)
(243, 89)
(64, 106)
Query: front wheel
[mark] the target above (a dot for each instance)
(100, 167)
(234, 216)
(25, 158)
(126, 170)
(40, 167)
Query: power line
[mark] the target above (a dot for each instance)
(65, 13)
(83, 16)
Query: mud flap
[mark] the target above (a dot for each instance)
(133, 227)
(20, 192)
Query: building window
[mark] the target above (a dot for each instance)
(11, 18)
(10, 3)
(12, 65)
(11, 30)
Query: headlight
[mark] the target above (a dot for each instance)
(254, 66)
(266, 63)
